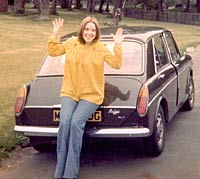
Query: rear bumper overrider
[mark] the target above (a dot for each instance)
(127, 132)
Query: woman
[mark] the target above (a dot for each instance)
(82, 87)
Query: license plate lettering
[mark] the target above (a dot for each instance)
(56, 115)
(96, 117)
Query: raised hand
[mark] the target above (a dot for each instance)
(118, 37)
(57, 26)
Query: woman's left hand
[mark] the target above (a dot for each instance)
(118, 37)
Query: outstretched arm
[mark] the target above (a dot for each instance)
(116, 60)
(57, 28)
(54, 48)
(118, 37)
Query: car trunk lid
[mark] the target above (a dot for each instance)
(43, 102)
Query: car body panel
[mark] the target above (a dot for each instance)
(116, 97)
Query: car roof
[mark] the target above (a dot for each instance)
(141, 33)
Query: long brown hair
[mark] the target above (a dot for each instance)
(82, 27)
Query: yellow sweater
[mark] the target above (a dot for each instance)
(84, 68)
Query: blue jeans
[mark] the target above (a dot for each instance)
(73, 117)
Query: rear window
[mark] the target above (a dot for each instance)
(52, 66)
(132, 61)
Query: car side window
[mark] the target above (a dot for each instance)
(160, 53)
(150, 61)
(174, 52)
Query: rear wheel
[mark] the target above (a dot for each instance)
(189, 103)
(156, 142)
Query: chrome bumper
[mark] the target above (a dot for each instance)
(37, 131)
(119, 132)
(95, 132)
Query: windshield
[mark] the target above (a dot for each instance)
(132, 61)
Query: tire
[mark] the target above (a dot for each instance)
(189, 103)
(156, 142)
(42, 148)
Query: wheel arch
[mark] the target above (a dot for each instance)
(163, 102)
(156, 141)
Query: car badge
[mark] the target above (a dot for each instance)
(113, 111)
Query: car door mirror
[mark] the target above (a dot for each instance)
(182, 58)
(185, 56)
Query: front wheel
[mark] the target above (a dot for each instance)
(156, 142)
(189, 103)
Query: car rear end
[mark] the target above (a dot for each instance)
(121, 114)
(116, 117)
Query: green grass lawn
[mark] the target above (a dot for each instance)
(23, 43)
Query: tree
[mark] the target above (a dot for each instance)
(44, 9)
(53, 7)
(69, 5)
(64, 4)
(91, 5)
(160, 5)
(102, 2)
(10, 6)
(117, 4)
(198, 6)
(101, 6)
(187, 7)
(78, 4)
(37, 5)
(19, 7)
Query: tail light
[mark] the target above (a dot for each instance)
(142, 101)
(20, 100)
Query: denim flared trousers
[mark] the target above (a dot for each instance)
(73, 118)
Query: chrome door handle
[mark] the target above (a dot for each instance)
(161, 76)
(176, 65)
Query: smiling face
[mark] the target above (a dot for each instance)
(89, 32)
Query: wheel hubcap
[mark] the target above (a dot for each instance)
(160, 129)
(191, 93)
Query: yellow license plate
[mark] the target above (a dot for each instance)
(96, 117)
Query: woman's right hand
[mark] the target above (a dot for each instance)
(57, 26)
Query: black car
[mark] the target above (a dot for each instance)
(154, 82)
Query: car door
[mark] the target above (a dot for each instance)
(182, 68)
(166, 74)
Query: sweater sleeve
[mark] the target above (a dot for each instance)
(115, 61)
(55, 48)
